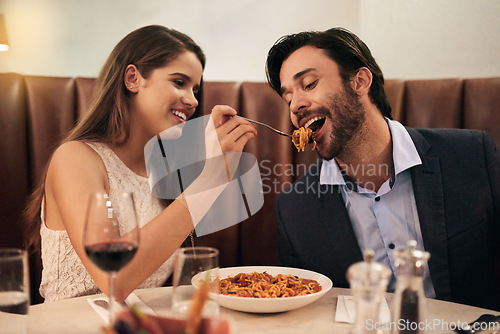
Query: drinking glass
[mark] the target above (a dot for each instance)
(111, 236)
(189, 262)
(14, 290)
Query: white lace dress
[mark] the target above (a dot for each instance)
(64, 275)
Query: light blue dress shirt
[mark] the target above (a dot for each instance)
(387, 219)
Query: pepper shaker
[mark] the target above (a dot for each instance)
(410, 306)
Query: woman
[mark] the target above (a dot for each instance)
(151, 81)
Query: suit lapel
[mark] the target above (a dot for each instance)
(343, 248)
(428, 190)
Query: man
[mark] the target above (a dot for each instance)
(379, 184)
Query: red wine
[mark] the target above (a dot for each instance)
(111, 256)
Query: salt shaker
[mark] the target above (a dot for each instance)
(409, 301)
(368, 281)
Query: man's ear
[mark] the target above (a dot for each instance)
(131, 78)
(362, 81)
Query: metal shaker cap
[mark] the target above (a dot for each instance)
(368, 273)
(411, 261)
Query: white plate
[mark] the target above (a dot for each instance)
(268, 305)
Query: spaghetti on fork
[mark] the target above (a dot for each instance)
(302, 137)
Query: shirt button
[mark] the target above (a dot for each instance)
(377, 199)
(392, 246)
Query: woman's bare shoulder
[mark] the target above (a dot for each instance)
(78, 159)
(74, 147)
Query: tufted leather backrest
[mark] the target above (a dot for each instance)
(434, 103)
(14, 175)
(395, 90)
(51, 114)
(37, 112)
(84, 89)
(481, 108)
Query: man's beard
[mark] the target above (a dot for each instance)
(346, 114)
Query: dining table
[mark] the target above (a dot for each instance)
(75, 315)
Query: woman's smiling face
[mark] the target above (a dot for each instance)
(167, 97)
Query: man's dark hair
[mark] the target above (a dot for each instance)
(342, 46)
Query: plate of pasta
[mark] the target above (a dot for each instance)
(262, 289)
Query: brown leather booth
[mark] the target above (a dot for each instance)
(36, 112)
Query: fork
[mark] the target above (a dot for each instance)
(267, 126)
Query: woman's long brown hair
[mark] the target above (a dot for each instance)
(107, 118)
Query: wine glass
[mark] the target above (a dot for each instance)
(111, 236)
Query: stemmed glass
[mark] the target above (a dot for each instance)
(111, 236)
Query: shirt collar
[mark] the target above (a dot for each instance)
(404, 152)
(404, 155)
(330, 173)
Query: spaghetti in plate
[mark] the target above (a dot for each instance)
(265, 285)
(268, 305)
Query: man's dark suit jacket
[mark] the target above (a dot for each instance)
(457, 192)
